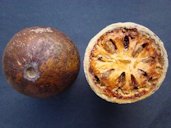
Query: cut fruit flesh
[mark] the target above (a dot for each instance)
(125, 53)
(125, 64)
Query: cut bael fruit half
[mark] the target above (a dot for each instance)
(125, 63)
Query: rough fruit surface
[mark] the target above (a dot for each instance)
(126, 63)
(40, 61)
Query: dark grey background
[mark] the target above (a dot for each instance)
(79, 106)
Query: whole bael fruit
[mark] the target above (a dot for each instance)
(40, 61)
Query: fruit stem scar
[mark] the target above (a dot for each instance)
(31, 72)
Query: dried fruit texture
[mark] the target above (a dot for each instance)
(40, 61)
(125, 64)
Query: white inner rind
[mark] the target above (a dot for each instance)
(93, 41)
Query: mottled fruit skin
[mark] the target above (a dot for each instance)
(40, 61)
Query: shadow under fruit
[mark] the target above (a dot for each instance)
(40, 61)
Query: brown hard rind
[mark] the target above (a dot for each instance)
(40, 61)
(106, 93)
